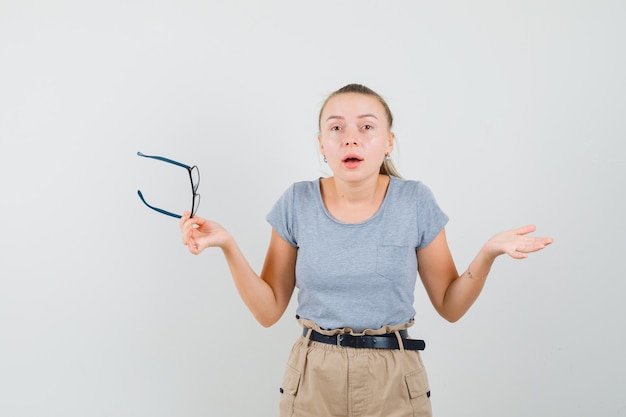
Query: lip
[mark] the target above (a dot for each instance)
(352, 157)
(352, 160)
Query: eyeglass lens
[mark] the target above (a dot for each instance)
(195, 204)
(194, 174)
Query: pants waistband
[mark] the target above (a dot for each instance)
(384, 341)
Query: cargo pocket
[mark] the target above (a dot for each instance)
(419, 393)
(288, 391)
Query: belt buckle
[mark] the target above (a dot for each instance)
(339, 339)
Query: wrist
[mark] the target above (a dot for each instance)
(227, 243)
(489, 252)
(481, 265)
(473, 277)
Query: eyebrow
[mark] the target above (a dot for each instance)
(361, 116)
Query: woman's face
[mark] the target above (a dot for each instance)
(354, 135)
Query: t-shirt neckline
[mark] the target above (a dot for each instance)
(377, 214)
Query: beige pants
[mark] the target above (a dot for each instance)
(324, 380)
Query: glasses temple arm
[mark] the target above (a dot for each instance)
(156, 208)
(160, 158)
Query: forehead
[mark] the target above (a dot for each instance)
(353, 104)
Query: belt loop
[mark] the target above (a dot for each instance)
(400, 342)
(308, 336)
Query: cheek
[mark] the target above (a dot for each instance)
(373, 140)
(334, 136)
(331, 140)
(331, 147)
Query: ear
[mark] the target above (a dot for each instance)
(319, 141)
(390, 142)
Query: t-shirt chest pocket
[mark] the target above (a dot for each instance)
(393, 261)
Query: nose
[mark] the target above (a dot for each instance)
(351, 137)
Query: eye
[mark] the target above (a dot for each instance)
(335, 128)
(368, 127)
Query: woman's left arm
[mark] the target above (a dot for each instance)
(452, 294)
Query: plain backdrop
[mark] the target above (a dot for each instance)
(512, 112)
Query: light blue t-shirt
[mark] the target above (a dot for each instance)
(360, 275)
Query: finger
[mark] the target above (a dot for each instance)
(535, 246)
(524, 230)
(183, 219)
(189, 225)
(186, 236)
(186, 227)
(530, 245)
(193, 247)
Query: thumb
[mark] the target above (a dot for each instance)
(524, 230)
(193, 247)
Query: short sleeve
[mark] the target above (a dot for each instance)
(430, 218)
(281, 216)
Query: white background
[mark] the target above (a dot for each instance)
(512, 112)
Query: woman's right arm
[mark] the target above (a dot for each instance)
(266, 296)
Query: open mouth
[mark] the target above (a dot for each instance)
(352, 159)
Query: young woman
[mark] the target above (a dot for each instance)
(353, 244)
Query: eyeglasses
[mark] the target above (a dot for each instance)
(194, 179)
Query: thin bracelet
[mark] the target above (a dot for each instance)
(471, 276)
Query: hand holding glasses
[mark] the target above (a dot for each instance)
(194, 179)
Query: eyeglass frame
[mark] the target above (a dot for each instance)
(194, 187)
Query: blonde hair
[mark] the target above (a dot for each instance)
(387, 167)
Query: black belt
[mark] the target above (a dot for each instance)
(383, 341)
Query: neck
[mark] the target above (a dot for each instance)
(355, 192)
(354, 202)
